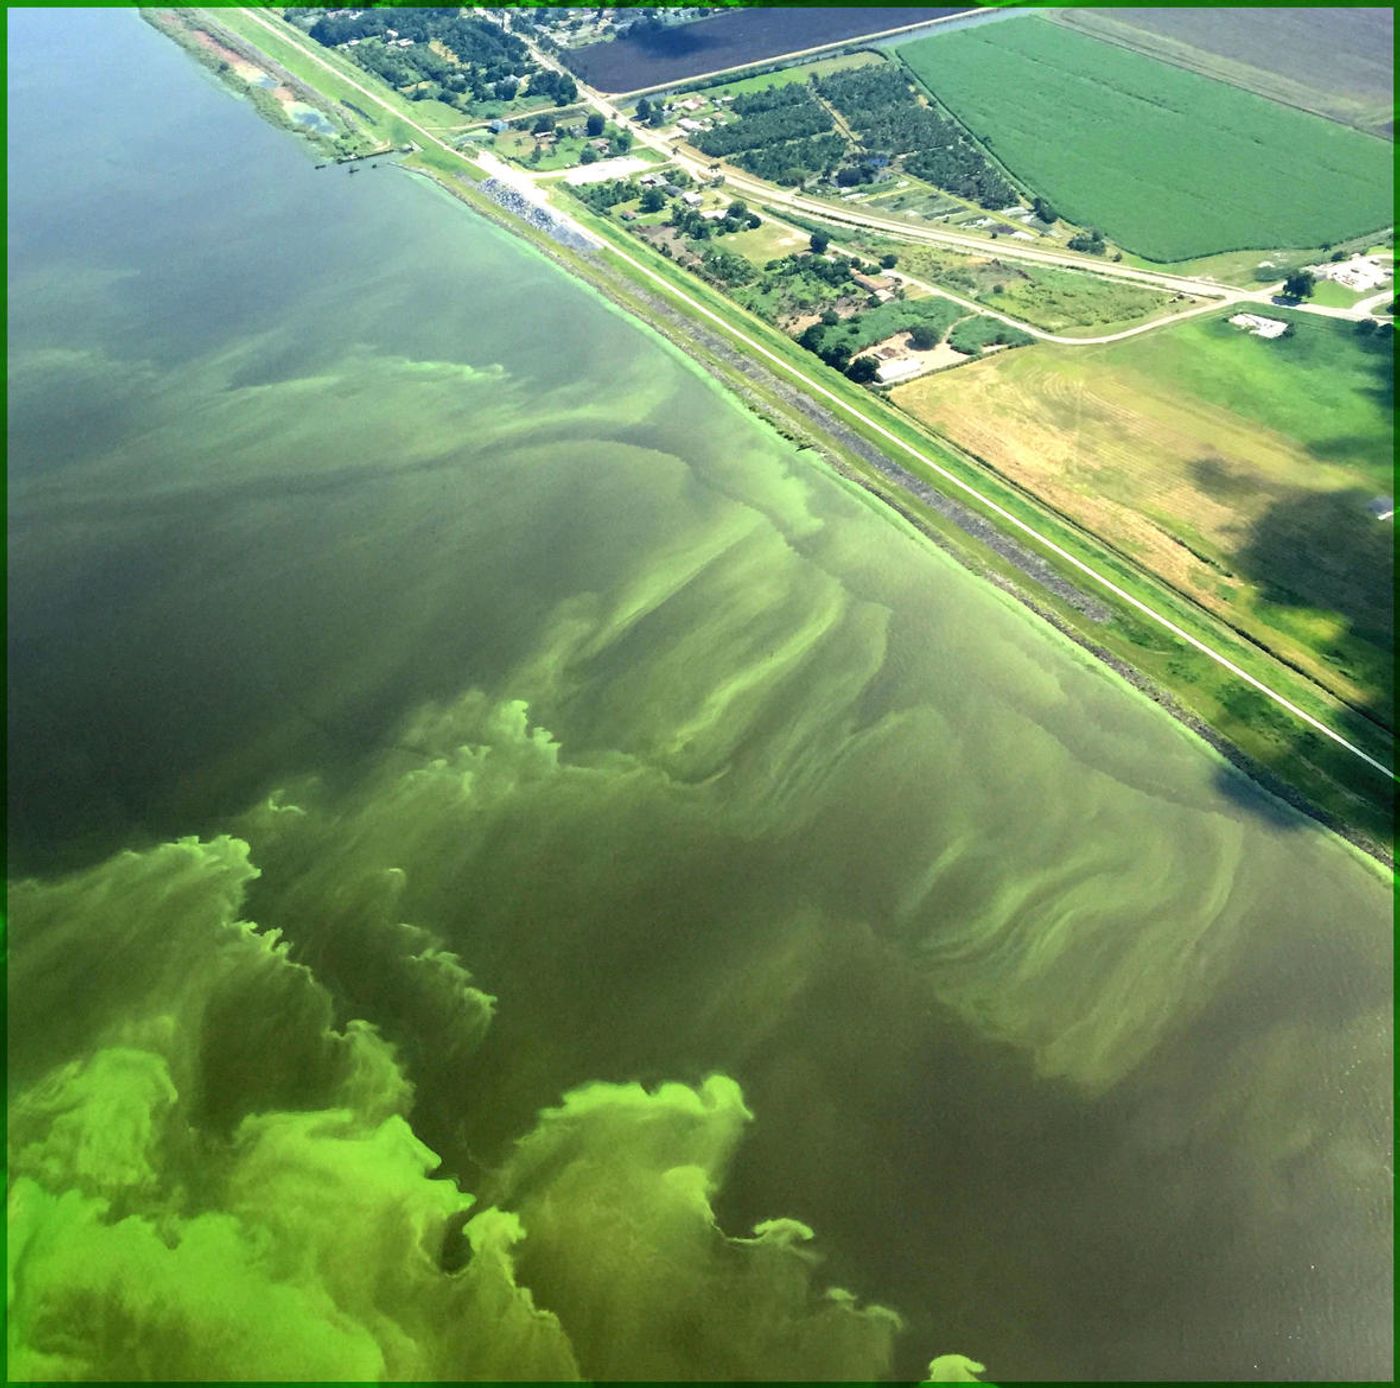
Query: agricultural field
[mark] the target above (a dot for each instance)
(1246, 472)
(1337, 62)
(1168, 163)
(662, 57)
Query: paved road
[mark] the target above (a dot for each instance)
(852, 412)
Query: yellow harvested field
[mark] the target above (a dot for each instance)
(1177, 482)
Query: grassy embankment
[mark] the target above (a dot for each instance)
(1276, 743)
(1168, 163)
(1237, 469)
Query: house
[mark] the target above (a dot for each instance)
(874, 283)
(688, 125)
(693, 104)
(629, 216)
(599, 144)
(496, 126)
(649, 180)
(692, 199)
(715, 214)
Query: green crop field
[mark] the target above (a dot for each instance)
(1334, 60)
(1168, 163)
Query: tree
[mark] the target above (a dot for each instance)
(1045, 212)
(889, 260)
(863, 370)
(643, 109)
(543, 125)
(653, 200)
(595, 124)
(819, 242)
(922, 337)
(738, 208)
(831, 318)
(588, 156)
(505, 91)
(1300, 285)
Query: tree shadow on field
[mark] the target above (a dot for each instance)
(1316, 552)
(1330, 551)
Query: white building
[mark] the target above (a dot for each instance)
(1259, 326)
(1360, 273)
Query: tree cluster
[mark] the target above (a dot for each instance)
(794, 161)
(883, 111)
(603, 195)
(791, 121)
(1091, 241)
(484, 64)
(773, 98)
(559, 87)
(724, 267)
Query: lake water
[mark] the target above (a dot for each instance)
(678, 52)
(731, 894)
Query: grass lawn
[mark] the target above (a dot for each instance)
(802, 72)
(765, 243)
(1334, 295)
(1170, 164)
(1237, 469)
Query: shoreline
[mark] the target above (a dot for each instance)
(793, 413)
(686, 337)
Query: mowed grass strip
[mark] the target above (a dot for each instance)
(1169, 164)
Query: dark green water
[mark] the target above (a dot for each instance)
(662, 844)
